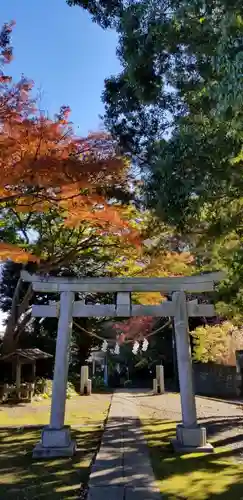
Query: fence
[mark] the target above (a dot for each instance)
(212, 379)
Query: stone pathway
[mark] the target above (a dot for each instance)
(122, 469)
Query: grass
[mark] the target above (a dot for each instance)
(80, 410)
(21, 477)
(214, 476)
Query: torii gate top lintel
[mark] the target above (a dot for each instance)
(198, 283)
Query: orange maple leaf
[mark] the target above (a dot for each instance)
(15, 253)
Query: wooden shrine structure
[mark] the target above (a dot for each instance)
(19, 358)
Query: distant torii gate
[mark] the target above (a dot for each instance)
(56, 438)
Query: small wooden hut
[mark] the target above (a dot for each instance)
(18, 358)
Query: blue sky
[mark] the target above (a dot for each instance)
(66, 55)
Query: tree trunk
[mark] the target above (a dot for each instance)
(12, 319)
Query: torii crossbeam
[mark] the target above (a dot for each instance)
(56, 439)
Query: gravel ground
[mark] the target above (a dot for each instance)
(223, 419)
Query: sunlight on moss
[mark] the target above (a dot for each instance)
(22, 477)
(200, 485)
(67, 488)
(79, 410)
(202, 476)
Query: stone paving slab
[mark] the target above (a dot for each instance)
(141, 494)
(108, 453)
(122, 469)
(106, 493)
(118, 492)
(108, 475)
(108, 463)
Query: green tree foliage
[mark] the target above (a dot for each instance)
(41, 333)
(176, 108)
(229, 61)
(168, 51)
(61, 250)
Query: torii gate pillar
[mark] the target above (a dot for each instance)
(189, 435)
(56, 438)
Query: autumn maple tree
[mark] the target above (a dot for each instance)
(49, 174)
(43, 164)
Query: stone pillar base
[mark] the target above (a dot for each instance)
(191, 440)
(87, 388)
(55, 443)
(157, 389)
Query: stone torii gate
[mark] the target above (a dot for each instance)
(56, 437)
